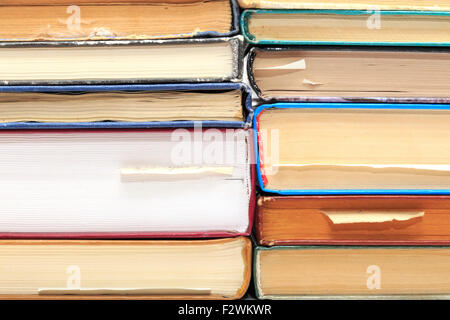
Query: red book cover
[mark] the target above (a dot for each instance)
(92, 184)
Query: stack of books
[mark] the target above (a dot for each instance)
(352, 146)
(125, 167)
(129, 137)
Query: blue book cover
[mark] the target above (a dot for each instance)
(352, 148)
(211, 88)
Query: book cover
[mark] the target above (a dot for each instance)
(353, 220)
(117, 20)
(335, 148)
(121, 62)
(351, 272)
(134, 183)
(346, 27)
(435, 5)
(125, 270)
(349, 74)
(69, 91)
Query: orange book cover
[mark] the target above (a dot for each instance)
(64, 20)
(353, 220)
(125, 269)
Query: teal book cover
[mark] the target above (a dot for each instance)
(346, 27)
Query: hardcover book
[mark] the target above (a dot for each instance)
(125, 106)
(333, 148)
(125, 183)
(119, 62)
(339, 272)
(420, 5)
(342, 74)
(69, 269)
(63, 20)
(353, 220)
(346, 27)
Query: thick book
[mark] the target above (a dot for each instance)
(340, 272)
(346, 27)
(125, 106)
(70, 269)
(353, 220)
(126, 183)
(343, 74)
(62, 20)
(346, 148)
(121, 62)
(419, 5)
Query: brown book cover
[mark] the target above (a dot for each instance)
(353, 220)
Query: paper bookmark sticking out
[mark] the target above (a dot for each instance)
(124, 291)
(371, 216)
(311, 83)
(296, 65)
(372, 220)
(177, 173)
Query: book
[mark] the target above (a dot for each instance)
(121, 62)
(333, 148)
(353, 220)
(101, 269)
(63, 20)
(341, 74)
(346, 27)
(125, 106)
(420, 5)
(339, 272)
(121, 183)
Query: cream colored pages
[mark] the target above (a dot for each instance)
(355, 148)
(434, 5)
(212, 60)
(341, 28)
(353, 271)
(352, 73)
(121, 106)
(158, 267)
